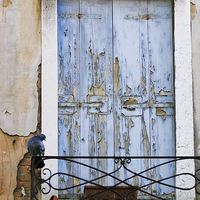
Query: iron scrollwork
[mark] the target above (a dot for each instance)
(45, 183)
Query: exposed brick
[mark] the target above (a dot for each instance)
(17, 193)
(24, 166)
(26, 198)
(24, 177)
(24, 169)
(28, 192)
(26, 162)
(23, 184)
(19, 196)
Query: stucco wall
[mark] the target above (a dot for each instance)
(195, 8)
(20, 58)
(195, 21)
(184, 97)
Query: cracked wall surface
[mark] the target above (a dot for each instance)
(12, 150)
(20, 58)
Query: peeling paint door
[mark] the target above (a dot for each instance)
(115, 82)
(85, 84)
(143, 89)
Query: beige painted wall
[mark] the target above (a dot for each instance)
(20, 56)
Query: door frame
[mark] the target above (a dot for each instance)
(182, 85)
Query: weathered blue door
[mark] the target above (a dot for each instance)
(115, 82)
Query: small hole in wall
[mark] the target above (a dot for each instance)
(14, 141)
(7, 113)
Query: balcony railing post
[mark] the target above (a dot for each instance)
(32, 176)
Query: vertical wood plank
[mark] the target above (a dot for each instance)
(96, 80)
(161, 89)
(68, 89)
(131, 76)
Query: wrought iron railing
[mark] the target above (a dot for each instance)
(84, 177)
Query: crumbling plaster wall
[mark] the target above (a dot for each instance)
(20, 58)
(20, 55)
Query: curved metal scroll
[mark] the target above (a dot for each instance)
(45, 185)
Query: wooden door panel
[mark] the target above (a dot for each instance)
(160, 51)
(68, 79)
(96, 84)
(130, 50)
(144, 65)
(87, 101)
(68, 40)
(115, 82)
(95, 67)
(162, 143)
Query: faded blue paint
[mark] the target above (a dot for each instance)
(116, 81)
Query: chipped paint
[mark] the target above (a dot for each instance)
(102, 149)
(128, 89)
(146, 145)
(131, 100)
(153, 121)
(7, 3)
(70, 142)
(127, 141)
(193, 10)
(152, 94)
(160, 111)
(118, 95)
(144, 82)
(165, 93)
(129, 123)
(116, 74)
